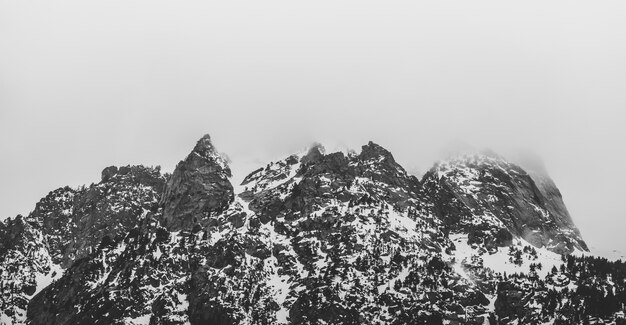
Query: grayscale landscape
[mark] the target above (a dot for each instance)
(279, 162)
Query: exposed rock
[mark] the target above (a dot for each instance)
(315, 238)
(75, 221)
(510, 301)
(23, 256)
(198, 189)
(489, 196)
(69, 224)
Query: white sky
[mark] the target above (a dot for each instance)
(86, 84)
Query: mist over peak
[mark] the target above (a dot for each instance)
(91, 92)
(357, 224)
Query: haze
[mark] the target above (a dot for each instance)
(85, 85)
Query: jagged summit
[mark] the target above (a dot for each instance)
(205, 148)
(68, 225)
(314, 238)
(373, 161)
(148, 176)
(502, 194)
(495, 199)
(198, 188)
(314, 154)
(374, 151)
(204, 141)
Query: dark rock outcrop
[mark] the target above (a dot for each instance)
(69, 225)
(341, 238)
(510, 301)
(75, 220)
(23, 255)
(198, 189)
(504, 198)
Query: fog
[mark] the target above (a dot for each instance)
(85, 85)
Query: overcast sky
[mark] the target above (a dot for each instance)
(86, 84)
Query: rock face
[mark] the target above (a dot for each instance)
(511, 301)
(23, 255)
(198, 189)
(315, 238)
(75, 221)
(70, 224)
(492, 198)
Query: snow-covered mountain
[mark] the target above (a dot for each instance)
(313, 238)
(69, 225)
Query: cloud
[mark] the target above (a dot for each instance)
(88, 85)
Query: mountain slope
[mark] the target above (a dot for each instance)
(495, 200)
(313, 238)
(67, 225)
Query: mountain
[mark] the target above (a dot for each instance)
(314, 238)
(494, 200)
(69, 225)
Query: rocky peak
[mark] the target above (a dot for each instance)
(76, 220)
(504, 197)
(372, 151)
(204, 147)
(315, 153)
(109, 172)
(335, 163)
(138, 175)
(68, 225)
(378, 163)
(322, 179)
(198, 189)
(314, 238)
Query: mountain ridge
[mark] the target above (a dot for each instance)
(313, 238)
